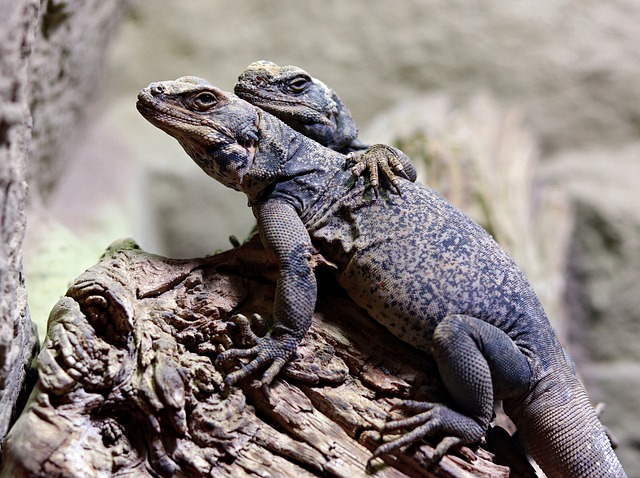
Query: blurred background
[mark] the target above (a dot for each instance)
(525, 114)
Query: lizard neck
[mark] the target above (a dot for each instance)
(289, 165)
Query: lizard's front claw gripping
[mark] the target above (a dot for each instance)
(380, 156)
(431, 419)
(270, 351)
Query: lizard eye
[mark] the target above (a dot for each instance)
(204, 101)
(298, 84)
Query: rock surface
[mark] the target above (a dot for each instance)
(50, 62)
(66, 71)
(18, 339)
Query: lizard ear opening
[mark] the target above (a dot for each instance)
(249, 135)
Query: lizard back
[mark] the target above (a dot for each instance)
(412, 260)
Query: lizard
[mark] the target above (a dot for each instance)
(414, 262)
(309, 106)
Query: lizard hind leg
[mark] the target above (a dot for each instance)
(477, 361)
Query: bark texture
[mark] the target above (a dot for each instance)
(128, 384)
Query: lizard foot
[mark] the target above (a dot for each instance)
(268, 351)
(383, 157)
(431, 419)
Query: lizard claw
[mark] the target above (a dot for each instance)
(380, 157)
(248, 336)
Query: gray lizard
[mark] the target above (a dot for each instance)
(418, 265)
(315, 110)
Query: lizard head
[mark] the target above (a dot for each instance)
(217, 129)
(303, 102)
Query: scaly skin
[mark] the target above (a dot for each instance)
(418, 265)
(315, 110)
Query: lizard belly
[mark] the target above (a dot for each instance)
(423, 261)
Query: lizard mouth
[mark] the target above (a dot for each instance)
(145, 110)
(176, 123)
(155, 111)
(279, 106)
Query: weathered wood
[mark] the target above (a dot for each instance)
(128, 384)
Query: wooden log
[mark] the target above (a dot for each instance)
(128, 384)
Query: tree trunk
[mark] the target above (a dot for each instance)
(128, 384)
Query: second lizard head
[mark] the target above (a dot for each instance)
(303, 102)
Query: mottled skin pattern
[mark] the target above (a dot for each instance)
(315, 110)
(417, 264)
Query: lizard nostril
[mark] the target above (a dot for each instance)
(156, 89)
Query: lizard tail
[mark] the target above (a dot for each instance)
(563, 434)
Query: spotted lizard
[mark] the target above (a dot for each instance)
(417, 264)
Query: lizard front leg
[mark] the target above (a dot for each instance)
(477, 362)
(390, 160)
(283, 233)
